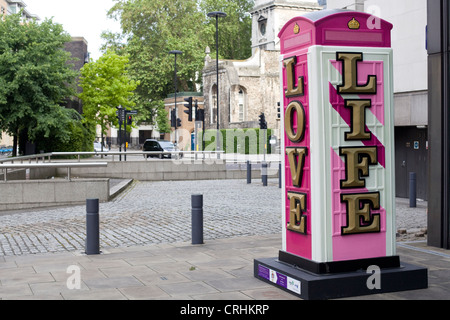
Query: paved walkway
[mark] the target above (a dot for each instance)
(147, 254)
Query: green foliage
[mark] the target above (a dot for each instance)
(35, 78)
(243, 141)
(106, 86)
(235, 30)
(152, 28)
(80, 138)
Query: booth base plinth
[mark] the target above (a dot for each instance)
(308, 285)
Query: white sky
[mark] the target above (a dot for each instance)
(80, 18)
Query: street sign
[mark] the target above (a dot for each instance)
(131, 112)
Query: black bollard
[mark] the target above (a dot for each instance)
(264, 174)
(279, 176)
(412, 190)
(92, 227)
(197, 218)
(249, 172)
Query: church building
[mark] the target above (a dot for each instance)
(250, 87)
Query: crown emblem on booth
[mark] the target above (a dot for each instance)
(296, 28)
(353, 24)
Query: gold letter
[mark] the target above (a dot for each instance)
(357, 165)
(296, 163)
(292, 91)
(350, 74)
(289, 124)
(357, 214)
(358, 120)
(297, 205)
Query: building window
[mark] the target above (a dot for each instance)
(213, 104)
(13, 8)
(262, 23)
(241, 104)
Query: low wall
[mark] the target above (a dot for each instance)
(53, 192)
(33, 174)
(164, 170)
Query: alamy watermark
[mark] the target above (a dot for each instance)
(374, 22)
(374, 281)
(74, 280)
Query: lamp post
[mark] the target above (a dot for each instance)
(217, 14)
(175, 53)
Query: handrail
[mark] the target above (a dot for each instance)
(125, 153)
(30, 157)
(67, 165)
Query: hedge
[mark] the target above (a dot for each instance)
(247, 138)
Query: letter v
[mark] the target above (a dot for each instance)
(296, 158)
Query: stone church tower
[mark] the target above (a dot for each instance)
(269, 16)
(252, 86)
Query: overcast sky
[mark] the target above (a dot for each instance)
(80, 18)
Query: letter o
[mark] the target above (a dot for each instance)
(289, 123)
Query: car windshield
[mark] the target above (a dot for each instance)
(166, 144)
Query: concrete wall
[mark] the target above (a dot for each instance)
(47, 193)
(161, 171)
(18, 193)
(33, 174)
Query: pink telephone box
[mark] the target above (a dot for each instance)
(338, 178)
(339, 133)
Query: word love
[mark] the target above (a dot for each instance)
(359, 206)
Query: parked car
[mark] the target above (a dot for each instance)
(160, 146)
(98, 147)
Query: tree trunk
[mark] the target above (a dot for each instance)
(14, 153)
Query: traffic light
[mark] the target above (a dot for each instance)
(189, 108)
(196, 110)
(129, 119)
(178, 122)
(262, 121)
(279, 110)
(173, 119)
(200, 115)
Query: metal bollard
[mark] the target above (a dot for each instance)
(197, 218)
(279, 176)
(92, 227)
(249, 172)
(264, 174)
(412, 190)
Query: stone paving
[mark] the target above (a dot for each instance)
(148, 213)
(159, 212)
(147, 254)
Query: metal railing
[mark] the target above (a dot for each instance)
(36, 157)
(145, 154)
(67, 165)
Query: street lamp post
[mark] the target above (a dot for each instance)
(217, 14)
(175, 53)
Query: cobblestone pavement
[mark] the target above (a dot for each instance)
(148, 212)
(160, 212)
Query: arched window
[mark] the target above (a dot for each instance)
(213, 104)
(241, 105)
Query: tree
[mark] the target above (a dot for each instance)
(235, 30)
(152, 28)
(106, 86)
(35, 78)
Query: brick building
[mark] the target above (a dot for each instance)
(14, 6)
(78, 47)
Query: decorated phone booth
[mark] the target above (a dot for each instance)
(338, 178)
